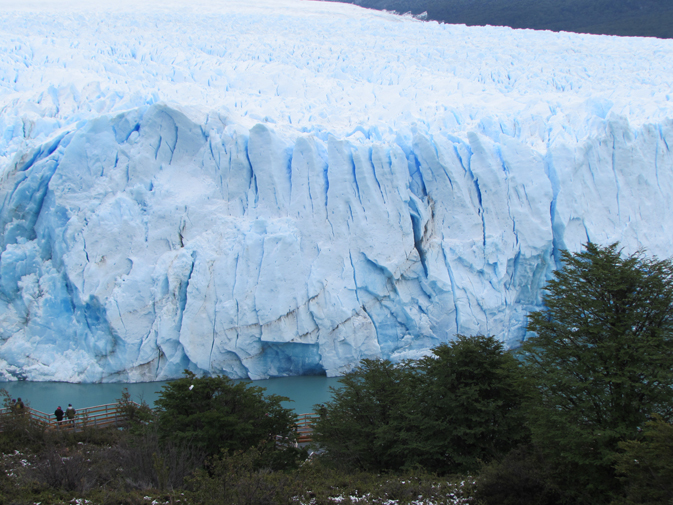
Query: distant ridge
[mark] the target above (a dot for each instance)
(643, 18)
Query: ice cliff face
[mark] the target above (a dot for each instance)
(141, 242)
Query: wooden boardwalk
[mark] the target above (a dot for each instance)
(305, 427)
(114, 415)
(100, 416)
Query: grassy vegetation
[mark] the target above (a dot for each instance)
(110, 466)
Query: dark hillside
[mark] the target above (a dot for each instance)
(646, 18)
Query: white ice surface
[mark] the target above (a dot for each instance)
(285, 187)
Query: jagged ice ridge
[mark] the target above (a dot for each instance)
(288, 187)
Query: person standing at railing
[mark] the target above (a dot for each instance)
(59, 415)
(70, 414)
(20, 407)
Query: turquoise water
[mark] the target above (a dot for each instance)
(46, 396)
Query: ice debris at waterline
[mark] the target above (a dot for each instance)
(286, 187)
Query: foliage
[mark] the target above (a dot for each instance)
(99, 475)
(17, 427)
(601, 361)
(235, 479)
(136, 413)
(468, 409)
(361, 427)
(215, 414)
(146, 463)
(522, 477)
(111, 466)
(646, 465)
(62, 469)
(446, 412)
(139, 415)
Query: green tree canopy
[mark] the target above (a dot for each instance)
(646, 466)
(361, 427)
(469, 408)
(446, 412)
(216, 414)
(601, 361)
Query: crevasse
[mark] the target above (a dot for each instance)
(135, 245)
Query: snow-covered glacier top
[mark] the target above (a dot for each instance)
(284, 187)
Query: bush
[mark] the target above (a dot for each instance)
(148, 464)
(137, 415)
(522, 477)
(646, 466)
(18, 431)
(68, 472)
(236, 479)
(215, 414)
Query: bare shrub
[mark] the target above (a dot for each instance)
(146, 463)
(18, 429)
(59, 471)
(235, 479)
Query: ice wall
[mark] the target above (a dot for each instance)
(141, 244)
(284, 187)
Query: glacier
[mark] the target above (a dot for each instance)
(274, 188)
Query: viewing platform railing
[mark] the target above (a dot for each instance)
(100, 416)
(305, 427)
(114, 414)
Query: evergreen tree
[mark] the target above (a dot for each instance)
(216, 413)
(447, 412)
(362, 426)
(469, 408)
(601, 361)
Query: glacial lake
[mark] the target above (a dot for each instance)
(305, 391)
